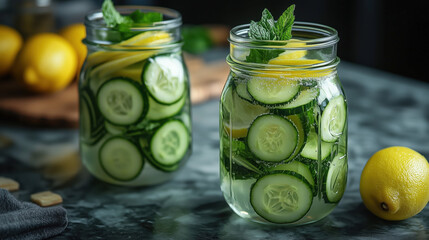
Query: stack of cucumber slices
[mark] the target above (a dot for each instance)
(138, 120)
(291, 145)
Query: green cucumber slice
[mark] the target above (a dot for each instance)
(272, 91)
(281, 197)
(159, 111)
(170, 143)
(302, 127)
(272, 138)
(241, 88)
(113, 129)
(121, 101)
(305, 100)
(121, 159)
(333, 119)
(90, 121)
(298, 167)
(335, 180)
(164, 78)
(310, 149)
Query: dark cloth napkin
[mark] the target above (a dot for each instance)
(24, 220)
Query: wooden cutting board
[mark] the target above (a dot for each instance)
(60, 110)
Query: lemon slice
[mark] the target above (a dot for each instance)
(241, 112)
(144, 39)
(296, 58)
(109, 67)
(148, 38)
(299, 63)
(133, 72)
(101, 57)
(292, 54)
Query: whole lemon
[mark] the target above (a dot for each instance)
(46, 63)
(75, 33)
(394, 184)
(10, 44)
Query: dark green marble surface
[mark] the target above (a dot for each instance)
(384, 110)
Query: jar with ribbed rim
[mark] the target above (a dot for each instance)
(283, 126)
(135, 124)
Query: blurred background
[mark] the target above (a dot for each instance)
(388, 35)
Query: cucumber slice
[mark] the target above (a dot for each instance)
(159, 111)
(281, 197)
(170, 143)
(302, 127)
(113, 129)
(335, 180)
(272, 138)
(297, 167)
(122, 101)
(121, 159)
(164, 78)
(241, 88)
(310, 149)
(333, 119)
(305, 100)
(90, 121)
(272, 91)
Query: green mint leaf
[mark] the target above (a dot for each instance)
(267, 22)
(284, 23)
(269, 29)
(111, 16)
(257, 31)
(148, 17)
(124, 23)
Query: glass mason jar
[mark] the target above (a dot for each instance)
(135, 125)
(283, 127)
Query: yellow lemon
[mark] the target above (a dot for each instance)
(394, 184)
(10, 44)
(46, 63)
(74, 34)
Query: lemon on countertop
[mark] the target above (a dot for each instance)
(46, 63)
(75, 33)
(394, 184)
(10, 44)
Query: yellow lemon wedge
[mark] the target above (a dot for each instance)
(10, 44)
(394, 184)
(46, 63)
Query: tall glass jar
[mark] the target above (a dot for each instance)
(135, 125)
(283, 127)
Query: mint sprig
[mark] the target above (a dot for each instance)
(123, 24)
(111, 16)
(269, 29)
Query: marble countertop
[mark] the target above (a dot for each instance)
(384, 110)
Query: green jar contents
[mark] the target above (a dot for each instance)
(283, 123)
(135, 126)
